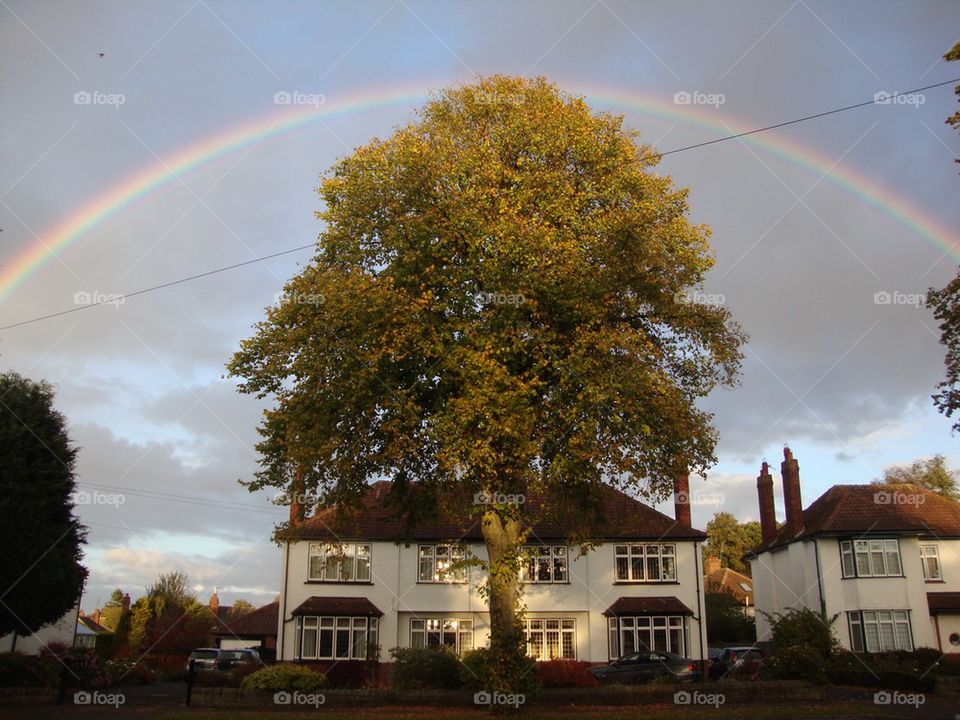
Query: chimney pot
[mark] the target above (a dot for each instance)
(793, 503)
(768, 515)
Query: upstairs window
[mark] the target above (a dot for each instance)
(930, 557)
(545, 564)
(436, 564)
(870, 558)
(646, 563)
(339, 562)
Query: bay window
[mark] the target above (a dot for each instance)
(879, 630)
(336, 638)
(646, 632)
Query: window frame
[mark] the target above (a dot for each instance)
(636, 556)
(653, 627)
(539, 628)
(862, 640)
(935, 555)
(455, 552)
(330, 628)
(356, 552)
(859, 558)
(461, 629)
(534, 557)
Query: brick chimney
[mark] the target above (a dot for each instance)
(126, 602)
(214, 602)
(296, 495)
(768, 513)
(790, 471)
(681, 498)
(711, 565)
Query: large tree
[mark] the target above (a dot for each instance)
(945, 304)
(729, 540)
(41, 576)
(500, 304)
(931, 473)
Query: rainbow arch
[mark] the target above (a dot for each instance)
(142, 183)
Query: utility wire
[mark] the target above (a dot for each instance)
(891, 99)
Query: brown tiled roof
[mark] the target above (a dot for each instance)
(93, 625)
(627, 518)
(729, 580)
(662, 605)
(261, 622)
(943, 602)
(336, 606)
(862, 509)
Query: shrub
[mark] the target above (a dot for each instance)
(285, 678)
(19, 670)
(475, 669)
(126, 672)
(242, 671)
(797, 662)
(348, 673)
(433, 667)
(168, 667)
(726, 621)
(802, 626)
(564, 674)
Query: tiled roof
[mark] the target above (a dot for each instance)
(730, 580)
(93, 625)
(337, 606)
(943, 602)
(865, 509)
(260, 622)
(662, 605)
(626, 518)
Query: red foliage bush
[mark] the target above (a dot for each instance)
(564, 674)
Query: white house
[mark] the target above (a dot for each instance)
(884, 558)
(61, 632)
(354, 587)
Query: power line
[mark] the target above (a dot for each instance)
(890, 98)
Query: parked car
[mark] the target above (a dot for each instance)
(203, 659)
(732, 657)
(644, 666)
(229, 659)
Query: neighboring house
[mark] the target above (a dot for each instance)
(355, 585)
(884, 558)
(257, 629)
(719, 579)
(60, 632)
(89, 631)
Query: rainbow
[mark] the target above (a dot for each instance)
(288, 119)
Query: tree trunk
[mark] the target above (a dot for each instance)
(502, 537)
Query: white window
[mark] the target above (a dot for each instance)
(930, 557)
(545, 564)
(432, 632)
(551, 638)
(646, 563)
(336, 638)
(436, 564)
(339, 562)
(880, 630)
(646, 632)
(870, 558)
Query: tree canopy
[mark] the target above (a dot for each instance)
(931, 473)
(729, 540)
(42, 539)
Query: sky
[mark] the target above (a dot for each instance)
(145, 142)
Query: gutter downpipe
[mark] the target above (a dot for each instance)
(699, 571)
(283, 602)
(816, 557)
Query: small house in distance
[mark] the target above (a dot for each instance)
(719, 579)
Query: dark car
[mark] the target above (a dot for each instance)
(229, 659)
(203, 659)
(733, 657)
(641, 667)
